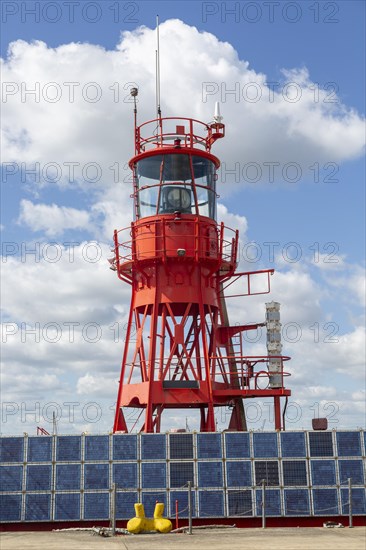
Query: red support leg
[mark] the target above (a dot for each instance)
(120, 425)
(277, 412)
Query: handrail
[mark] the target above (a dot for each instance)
(158, 138)
(148, 240)
(246, 376)
(126, 249)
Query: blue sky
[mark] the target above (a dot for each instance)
(316, 49)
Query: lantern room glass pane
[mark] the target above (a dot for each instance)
(148, 170)
(148, 201)
(206, 202)
(176, 168)
(176, 198)
(166, 184)
(204, 172)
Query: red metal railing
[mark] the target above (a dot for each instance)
(161, 238)
(151, 241)
(248, 275)
(249, 374)
(161, 132)
(245, 376)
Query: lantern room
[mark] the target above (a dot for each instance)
(173, 169)
(175, 182)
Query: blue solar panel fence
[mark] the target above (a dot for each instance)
(66, 478)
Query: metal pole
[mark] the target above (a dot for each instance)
(189, 508)
(350, 521)
(54, 423)
(176, 515)
(113, 516)
(263, 503)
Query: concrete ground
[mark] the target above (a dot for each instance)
(212, 539)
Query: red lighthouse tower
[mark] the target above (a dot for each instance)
(180, 351)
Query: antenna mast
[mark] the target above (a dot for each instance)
(157, 54)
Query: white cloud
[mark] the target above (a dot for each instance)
(233, 221)
(359, 395)
(52, 219)
(352, 281)
(77, 129)
(61, 283)
(112, 210)
(322, 392)
(36, 382)
(96, 385)
(329, 262)
(96, 137)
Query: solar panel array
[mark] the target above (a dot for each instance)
(70, 478)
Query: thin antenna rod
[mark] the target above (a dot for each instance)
(134, 93)
(156, 84)
(158, 69)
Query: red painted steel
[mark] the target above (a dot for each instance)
(180, 350)
(247, 522)
(42, 431)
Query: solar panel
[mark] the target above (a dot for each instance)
(39, 449)
(68, 477)
(237, 445)
(349, 444)
(239, 474)
(181, 473)
(153, 475)
(321, 444)
(358, 501)
(351, 469)
(211, 503)
(153, 446)
(296, 502)
(125, 501)
(265, 445)
(96, 447)
(294, 472)
(68, 448)
(75, 483)
(96, 476)
(149, 500)
(96, 506)
(10, 507)
(323, 472)
(240, 503)
(11, 449)
(209, 446)
(181, 446)
(293, 444)
(325, 502)
(125, 475)
(38, 507)
(182, 498)
(67, 506)
(124, 447)
(11, 478)
(267, 470)
(272, 502)
(39, 477)
(210, 474)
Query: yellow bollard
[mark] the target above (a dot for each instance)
(162, 525)
(136, 524)
(140, 523)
